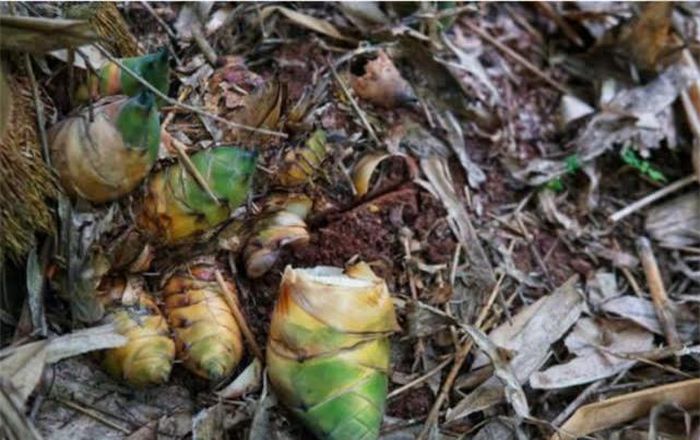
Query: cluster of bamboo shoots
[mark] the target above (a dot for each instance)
(328, 349)
(107, 151)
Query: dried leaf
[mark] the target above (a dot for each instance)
(480, 277)
(22, 366)
(676, 223)
(35, 292)
(572, 108)
(261, 109)
(423, 320)
(475, 176)
(13, 416)
(529, 334)
(382, 84)
(642, 312)
(246, 382)
(208, 424)
(503, 371)
(591, 364)
(363, 171)
(363, 14)
(625, 119)
(547, 203)
(610, 412)
(40, 35)
(307, 21)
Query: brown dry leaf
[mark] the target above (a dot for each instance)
(610, 412)
(208, 424)
(307, 21)
(41, 35)
(644, 39)
(591, 364)
(382, 84)
(260, 109)
(529, 334)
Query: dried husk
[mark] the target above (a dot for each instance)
(281, 223)
(206, 334)
(328, 349)
(148, 356)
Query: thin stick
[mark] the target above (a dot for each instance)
(511, 53)
(171, 115)
(651, 198)
(94, 414)
(39, 107)
(460, 357)
(356, 107)
(181, 150)
(240, 319)
(658, 292)
(421, 379)
(204, 46)
(173, 102)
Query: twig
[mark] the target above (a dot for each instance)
(552, 14)
(173, 102)
(94, 414)
(356, 107)
(419, 380)
(460, 357)
(180, 148)
(240, 319)
(658, 292)
(204, 46)
(169, 117)
(158, 18)
(511, 53)
(39, 107)
(651, 198)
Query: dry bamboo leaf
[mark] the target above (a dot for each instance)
(591, 364)
(16, 425)
(676, 223)
(619, 409)
(481, 274)
(503, 371)
(529, 335)
(475, 175)
(307, 21)
(23, 365)
(40, 35)
(363, 171)
(641, 311)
